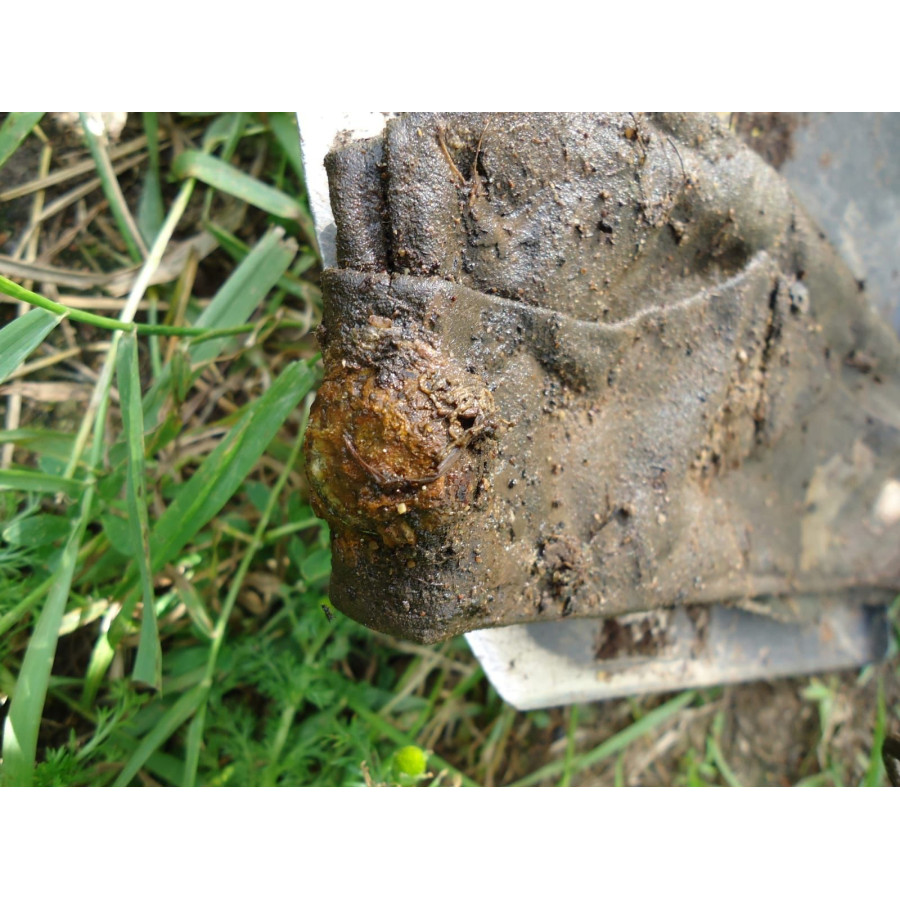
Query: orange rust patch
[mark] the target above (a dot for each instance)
(390, 449)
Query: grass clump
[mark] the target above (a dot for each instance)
(163, 580)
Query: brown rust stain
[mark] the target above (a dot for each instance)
(390, 444)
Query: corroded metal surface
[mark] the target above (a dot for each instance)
(584, 365)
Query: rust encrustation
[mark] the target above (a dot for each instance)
(396, 432)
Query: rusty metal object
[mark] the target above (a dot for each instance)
(587, 365)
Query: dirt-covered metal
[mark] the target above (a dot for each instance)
(584, 365)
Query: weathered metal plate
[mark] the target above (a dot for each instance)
(557, 663)
(845, 170)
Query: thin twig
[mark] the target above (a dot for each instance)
(95, 138)
(126, 318)
(83, 190)
(123, 323)
(67, 237)
(75, 171)
(61, 356)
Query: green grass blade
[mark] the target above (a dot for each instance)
(227, 130)
(39, 482)
(244, 290)
(22, 337)
(23, 722)
(52, 444)
(221, 175)
(238, 251)
(119, 208)
(101, 658)
(615, 744)
(178, 714)
(238, 123)
(14, 616)
(11, 289)
(566, 779)
(150, 206)
(193, 603)
(220, 475)
(195, 734)
(714, 749)
(20, 732)
(148, 664)
(224, 470)
(224, 130)
(284, 127)
(16, 127)
(232, 245)
(875, 773)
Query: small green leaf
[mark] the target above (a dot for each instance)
(119, 533)
(150, 206)
(22, 336)
(284, 127)
(20, 731)
(40, 482)
(316, 566)
(221, 175)
(244, 290)
(16, 127)
(36, 531)
(148, 664)
(225, 469)
(258, 494)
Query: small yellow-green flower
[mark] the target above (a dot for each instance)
(409, 761)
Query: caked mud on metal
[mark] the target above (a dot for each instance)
(587, 365)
